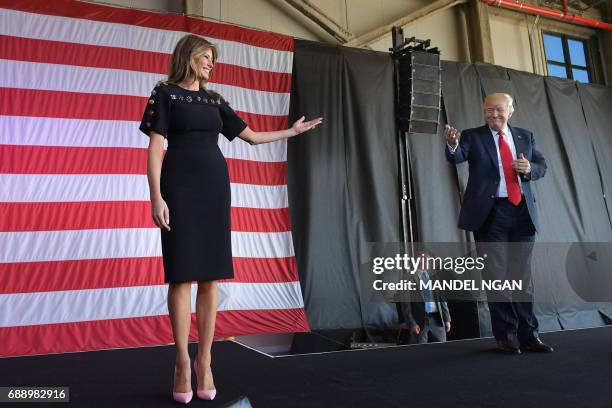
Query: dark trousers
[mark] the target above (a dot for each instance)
(507, 237)
(432, 328)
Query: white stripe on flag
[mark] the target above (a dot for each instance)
(73, 30)
(41, 246)
(32, 131)
(117, 187)
(248, 100)
(262, 244)
(267, 152)
(69, 78)
(25, 309)
(256, 196)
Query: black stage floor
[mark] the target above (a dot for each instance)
(467, 373)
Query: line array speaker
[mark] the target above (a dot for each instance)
(420, 89)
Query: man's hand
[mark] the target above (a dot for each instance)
(521, 165)
(404, 326)
(452, 136)
(447, 326)
(415, 328)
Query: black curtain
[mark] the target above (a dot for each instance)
(343, 188)
(597, 107)
(343, 178)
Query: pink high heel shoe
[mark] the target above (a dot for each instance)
(208, 395)
(182, 397)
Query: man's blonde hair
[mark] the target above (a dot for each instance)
(500, 95)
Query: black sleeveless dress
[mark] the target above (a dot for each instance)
(194, 181)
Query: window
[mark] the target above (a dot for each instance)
(566, 57)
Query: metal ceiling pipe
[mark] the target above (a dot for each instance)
(556, 14)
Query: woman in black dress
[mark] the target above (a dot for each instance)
(191, 183)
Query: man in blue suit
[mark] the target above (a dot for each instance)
(500, 208)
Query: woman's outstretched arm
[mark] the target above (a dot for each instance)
(300, 126)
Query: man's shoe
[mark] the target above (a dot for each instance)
(508, 347)
(537, 346)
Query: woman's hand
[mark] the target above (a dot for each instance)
(160, 213)
(300, 126)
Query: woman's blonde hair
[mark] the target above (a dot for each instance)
(183, 61)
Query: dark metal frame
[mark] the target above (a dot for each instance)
(406, 198)
(410, 49)
(567, 64)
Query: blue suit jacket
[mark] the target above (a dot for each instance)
(477, 146)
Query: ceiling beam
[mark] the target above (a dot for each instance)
(384, 30)
(317, 16)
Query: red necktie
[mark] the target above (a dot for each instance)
(512, 185)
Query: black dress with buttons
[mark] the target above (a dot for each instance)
(194, 181)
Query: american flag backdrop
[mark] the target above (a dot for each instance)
(80, 258)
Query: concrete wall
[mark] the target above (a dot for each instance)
(510, 40)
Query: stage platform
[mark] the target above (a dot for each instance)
(465, 373)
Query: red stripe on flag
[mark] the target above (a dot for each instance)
(71, 105)
(106, 14)
(242, 322)
(28, 277)
(61, 216)
(265, 269)
(260, 173)
(151, 331)
(85, 55)
(75, 105)
(251, 78)
(56, 52)
(264, 123)
(25, 159)
(260, 219)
